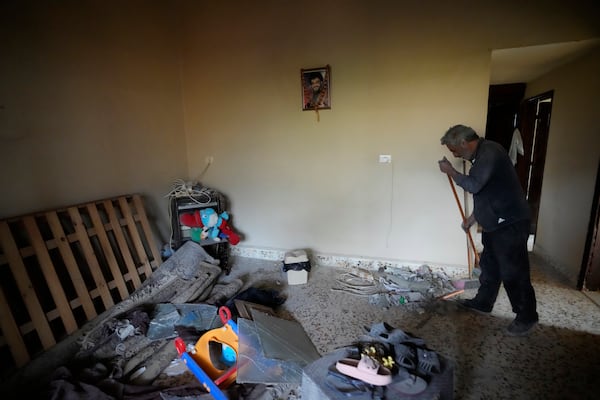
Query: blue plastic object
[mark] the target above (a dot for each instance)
(228, 355)
(204, 379)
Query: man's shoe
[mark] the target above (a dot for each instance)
(517, 328)
(469, 304)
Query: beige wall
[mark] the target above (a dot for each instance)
(571, 161)
(91, 104)
(400, 77)
(298, 182)
(101, 98)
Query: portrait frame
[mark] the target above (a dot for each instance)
(311, 101)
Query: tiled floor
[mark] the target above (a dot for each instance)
(559, 360)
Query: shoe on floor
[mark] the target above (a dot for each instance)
(407, 383)
(517, 328)
(366, 369)
(470, 304)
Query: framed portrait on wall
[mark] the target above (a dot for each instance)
(316, 88)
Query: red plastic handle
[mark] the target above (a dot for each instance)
(180, 346)
(224, 314)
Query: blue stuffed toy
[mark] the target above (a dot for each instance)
(211, 221)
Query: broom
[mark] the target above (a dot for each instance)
(464, 284)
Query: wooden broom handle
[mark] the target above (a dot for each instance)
(462, 213)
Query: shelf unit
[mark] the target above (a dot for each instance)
(191, 203)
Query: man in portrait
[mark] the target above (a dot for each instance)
(315, 94)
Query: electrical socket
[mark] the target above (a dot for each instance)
(209, 159)
(385, 158)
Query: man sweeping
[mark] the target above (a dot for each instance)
(501, 209)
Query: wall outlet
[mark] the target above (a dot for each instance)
(210, 159)
(385, 158)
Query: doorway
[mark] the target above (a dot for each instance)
(511, 118)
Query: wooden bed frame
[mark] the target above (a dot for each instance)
(61, 268)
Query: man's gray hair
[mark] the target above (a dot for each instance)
(456, 134)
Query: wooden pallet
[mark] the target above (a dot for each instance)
(61, 268)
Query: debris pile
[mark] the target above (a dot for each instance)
(398, 287)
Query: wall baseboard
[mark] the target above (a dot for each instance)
(348, 261)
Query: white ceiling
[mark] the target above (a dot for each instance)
(524, 64)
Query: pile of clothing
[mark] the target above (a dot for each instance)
(385, 356)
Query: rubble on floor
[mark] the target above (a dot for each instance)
(396, 287)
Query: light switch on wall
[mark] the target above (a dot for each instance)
(385, 158)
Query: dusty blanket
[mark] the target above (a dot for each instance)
(187, 275)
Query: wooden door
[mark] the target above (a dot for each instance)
(534, 127)
(590, 270)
